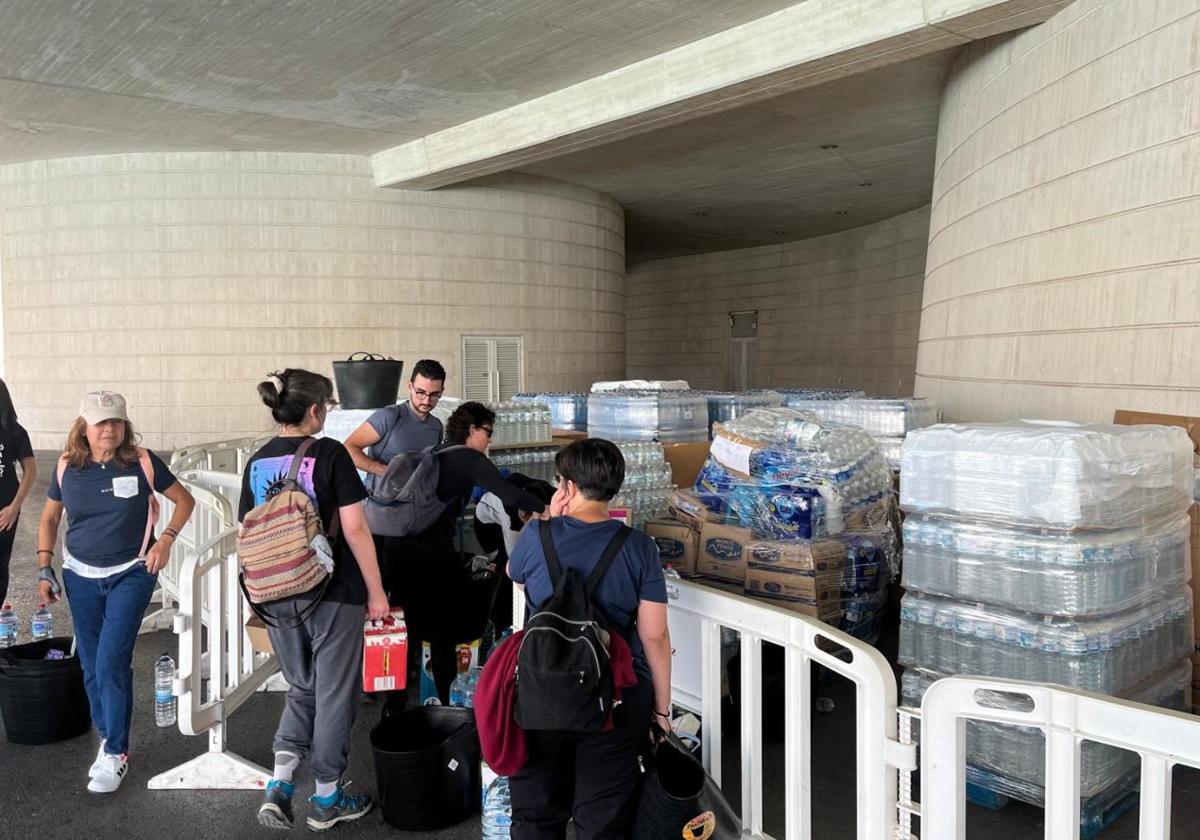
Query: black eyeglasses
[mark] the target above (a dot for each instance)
(490, 431)
(433, 395)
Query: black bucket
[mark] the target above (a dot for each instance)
(427, 767)
(370, 382)
(42, 700)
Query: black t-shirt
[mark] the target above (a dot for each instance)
(14, 445)
(329, 478)
(461, 471)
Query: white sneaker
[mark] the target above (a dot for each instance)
(108, 777)
(95, 768)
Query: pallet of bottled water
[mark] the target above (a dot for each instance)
(1109, 654)
(796, 397)
(1015, 756)
(647, 490)
(1048, 475)
(724, 406)
(666, 416)
(1069, 573)
(567, 410)
(537, 462)
(520, 423)
(877, 417)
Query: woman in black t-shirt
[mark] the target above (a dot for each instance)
(321, 655)
(14, 449)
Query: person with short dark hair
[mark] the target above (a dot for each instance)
(407, 427)
(319, 648)
(430, 559)
(592, 779)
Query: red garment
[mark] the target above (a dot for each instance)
(501, 741)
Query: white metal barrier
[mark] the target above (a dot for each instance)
(1161, 737)
(696, 618)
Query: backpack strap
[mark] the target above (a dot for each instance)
(294, 473)
(551, 555)
(152, 508)
(606, 559)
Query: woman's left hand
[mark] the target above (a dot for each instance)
(159, 554)
(8, 516)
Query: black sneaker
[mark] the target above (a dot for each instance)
(340, 807)
(276, 810)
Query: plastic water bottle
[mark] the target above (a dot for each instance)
(462, 690)
(497, 810)
(671, 574)
(42, 625)
(8, 626)
(164, 694)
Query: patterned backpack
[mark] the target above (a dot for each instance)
(277, 545)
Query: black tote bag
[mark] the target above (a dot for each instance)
(680, 801)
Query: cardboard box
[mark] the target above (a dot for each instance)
(797, 555)
(385, 653)
(1124, 417)
(721, 553)
(257, 632)
(792, 585)
(677, 544)
(685, 459)
(686, 507)
(827, 611)
(1194, 583)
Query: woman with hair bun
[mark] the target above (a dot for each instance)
(319, 648)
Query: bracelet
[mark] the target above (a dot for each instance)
(172, 533)
(662, 715)
(45, 551)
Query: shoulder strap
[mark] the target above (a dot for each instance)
(62, 470)
(152, 503)
(606, 559)
(551, 555)
(298, 458)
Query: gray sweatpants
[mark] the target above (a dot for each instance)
(322, 662)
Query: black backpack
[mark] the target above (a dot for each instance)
(564, 681)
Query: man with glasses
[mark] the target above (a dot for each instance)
(407, 427)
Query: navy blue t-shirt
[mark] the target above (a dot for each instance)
(106, 507)
(635, 575)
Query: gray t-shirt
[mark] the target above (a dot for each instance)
(400, 431)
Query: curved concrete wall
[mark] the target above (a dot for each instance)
(181, 279)
(1064, 256)
(834, 311)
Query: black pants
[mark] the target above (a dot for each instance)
(417, 576)
(591, 779)
(6, 545)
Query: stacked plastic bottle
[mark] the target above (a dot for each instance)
(665, 416)
(647, 490)
(567, 410)
(520, 423)
(792, 479)
(535, 462)
(724, 406)
(798, 397)
(886, 420)
(1047, 552)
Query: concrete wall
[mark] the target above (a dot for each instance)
(835, 311)
(182, 279)
(1064, 254)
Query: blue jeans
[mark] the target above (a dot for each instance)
(108, 613)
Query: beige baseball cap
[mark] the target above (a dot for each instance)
(98, 406)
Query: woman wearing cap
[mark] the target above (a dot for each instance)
(105, 483)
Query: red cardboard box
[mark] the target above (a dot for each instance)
(385, 653)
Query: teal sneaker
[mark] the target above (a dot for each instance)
(276, 810)
(340, 807)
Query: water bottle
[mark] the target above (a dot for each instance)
(8, 626)
(42, 625)
(497, 810)
(164, 695)
(671, 574)
(462, 690)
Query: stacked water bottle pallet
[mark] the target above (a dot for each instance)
(1054, 553)
(568, 411)
(535, 462)
(886, 420)
(796, 511)
(724, 406)
(664, 416)
(647, 490)
(520, 424)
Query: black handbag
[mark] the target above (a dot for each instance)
(680, 801)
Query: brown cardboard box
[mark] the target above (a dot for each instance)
(797, 555)
(1194, 583)
(793, 585)
(677, 544)
(257, 631)
(1124, 417)
(826, 611)
(685, 459)
(686, 507)
(721, 553)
